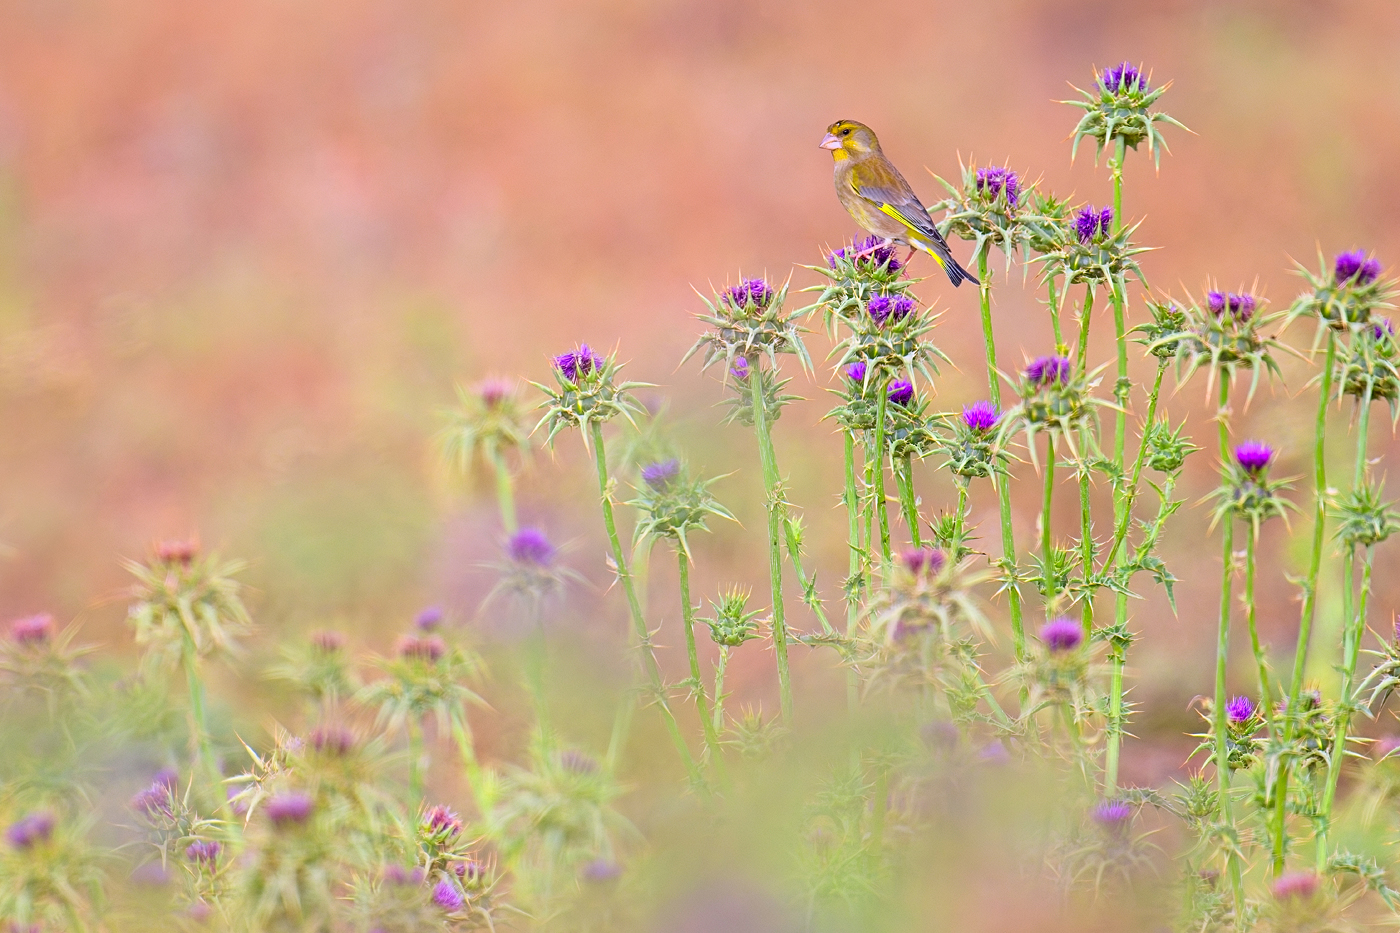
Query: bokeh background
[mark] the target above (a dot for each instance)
(246, 249)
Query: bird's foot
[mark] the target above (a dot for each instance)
(883, 244)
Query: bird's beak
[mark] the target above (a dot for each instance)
(829, 141)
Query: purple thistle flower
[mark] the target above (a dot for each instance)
(1049, 370)
(441, 819)
(901, 392)
(31, 829)
(1090, 223)
(750, 291)
(1295, 884)
(740, 368)
(1061, 635)
(530, 546)
(446, 896)
(576, 762)
(468, 871)
(1112, 813)
(980, 416)
(429, 619)
(1240, 710)
(1381, 327)
(493, 392)
(879, 254)
(855, 372)
(328, 642)
(1241, 305)
(285, 809)
(1384, 746)
(1355, 268)
(659, 476)
(1122, 79)
(154, 800)
(601, 870)
(578, 363)
(921, 559)
(35, 629)
(204, 850)
(430, 649)
(333, 740)
(997, 180)
(883, 308)
(394, 874)
(1253, 456)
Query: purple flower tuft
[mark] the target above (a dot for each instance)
(661, 475)
(530, 546)
(1122, 79)
(1061, 634)
(883, 308)
(154, 800)
(493, 392)
(35, 629)
(289, 808)
(429, 619)
(754, 292)
(1381, 327)
(441, 819)
(204, 850)
(855, 372)
(328, 642)
(1240, 710)
(997, 180)
(1049, 370)
(448, 897)
(921, 559)
(1240, 305)
(1253, 456)
(1090, 223)
(333, 740)
(1355, 268)
(469, 871)
(901, 392)
(576, 762)
(1112, 813)
(980, 416)
(600, 870)
(1295, 884)
(578, 363)
(740, 368)
(414, 647)
(33, 828)
(877, 253)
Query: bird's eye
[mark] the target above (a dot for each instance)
(846, 131)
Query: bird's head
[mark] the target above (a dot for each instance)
(848, 139)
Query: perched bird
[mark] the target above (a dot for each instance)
(877, 196)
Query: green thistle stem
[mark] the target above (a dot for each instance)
(717, 723)
(808, 584)
(1086, 540)
(1008, 539)
(624, 575)
(1115, 166)
(959, 519)
(1086, 316)
(505, 490)
(702, 703)
(1125, 510)
(1060, 347)
(1047, 567)
(1261, 661)
(774, 501)
(415, 764)
(1222, 658)
(881, 414)
(199, 725)
(856, 564)
(904, 476)
(466, 745)
(1309, 610)
(1115, 724)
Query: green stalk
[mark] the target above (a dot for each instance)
(1300, 656)
(1008, 539)
(1261, 661)
(1086, 541)
(1060, 347)
(702, 703)
(1086, 315)
(415, 764)
(855, 562)
(199, 726)
(879, 468)
(1115, 166)
(466, 744)
(1115, 723)
(1047, 569)
(720, 666)
(505, 492)
(1125, 511)
(808, 584)
(624, 575)
(904, 476)
(1222, 656)
(959, 517)
(774, 501)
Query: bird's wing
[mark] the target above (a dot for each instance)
(879, 181)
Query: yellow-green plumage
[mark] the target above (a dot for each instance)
(878, 198)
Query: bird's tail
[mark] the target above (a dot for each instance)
(956, 273)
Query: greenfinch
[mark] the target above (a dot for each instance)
(873, 192)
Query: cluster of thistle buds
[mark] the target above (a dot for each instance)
(1053, 397)
(733, 623)
(673, 504)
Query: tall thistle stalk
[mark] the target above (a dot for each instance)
(488, 423)
(773, 503)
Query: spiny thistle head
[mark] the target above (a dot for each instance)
(1239, 305)
(660, 475)
(1162, 336)
(1240, 710)
(586, 393)
(447, 896)
(204, 851)
(997, 182)
(486, 423)
(1091, 224)
(1119, 107)
(1112, 814)
(673, 504)
(748, 321)
(923, 561)
(428, 649)
(1253, 457)
(972, 447)
(871, 254)
(1053, 396)
(1048, 370)
(32, 630)
(186, 603)
(855, 373)
(1247, 490)
(1168, 447)
(289, 809)
(980, 417)
(748, 295)
(995, 209)
(883, 308)
(439, 825)
(1224, 335)
(579, 364)
(1364, 517)
(732, 624)
(1061, 635)
(1370, 371)
(1345, 295)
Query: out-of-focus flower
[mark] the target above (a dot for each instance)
(1381, 327)
(601, 870)
(416, 647)
(30, 829)
(447, 896)
(531, 546)
(576, 762)
(328, 642)
(429, 619)
(441, 820)
(177, 552)
(289, 808)
(740, 368)
(204, 851)
(30, 630)
(1047, 370)
(332, 740)
(662, 474)
(923, 559)
(1112, 813)
(1292, 885)
(1061, 634)
(493, 392)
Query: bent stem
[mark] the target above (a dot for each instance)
(702, 703)
(1008, 538)
(773, 495)
(1309, 610)
(856, 562)
(624, 575)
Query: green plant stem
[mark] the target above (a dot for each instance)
(720, 666)
(855, 561)
(772, 487)
(415, 764)
(505, 491)
(1125, 511)
(1086, 540)
(1047, 566)
(879, 469)
(1008, 538)
(1222, 647)
(1085, 317)
(808, 584)
(959, 518)
(466, 745)
(199, 725)
(624, 575)
(1060, 347)
(904, 475)
(1115, 724)
(702, 703)
(1309, 610)
(1261, 661)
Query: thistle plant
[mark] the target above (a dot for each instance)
(489, 425)
(1118, 113)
